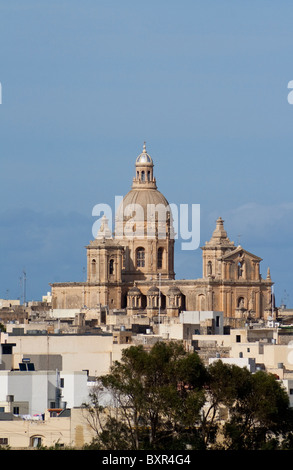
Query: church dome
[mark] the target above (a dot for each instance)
(153, 290)
(134, 290)
(144, 197)
(144, 158)
(174, 290)
(143, 203)
(144, 192)
(144, 226)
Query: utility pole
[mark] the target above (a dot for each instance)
(23, 285)
(159, 303)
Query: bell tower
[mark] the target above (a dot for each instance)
(214, 249)
(104, 267)
(104, 257)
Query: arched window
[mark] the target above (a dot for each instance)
(201, 302)
(240, 303)
(140, 258)
(36, 441)
(111, 266)
(210, 268)
(160, 258)
(93, 266)
(240, 269)
(149, 176)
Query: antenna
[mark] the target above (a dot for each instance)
(23, 286)
(284, 299)
(159, 303)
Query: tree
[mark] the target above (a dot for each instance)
(257, 404)
(166, 398)
(156, 398)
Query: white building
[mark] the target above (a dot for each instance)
(33, 392)
(191, 323)
(249, 363)
(211, 318)
(288, 384)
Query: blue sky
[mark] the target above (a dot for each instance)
(85, 83)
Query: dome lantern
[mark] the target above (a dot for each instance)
(144, 165)
(144, 157)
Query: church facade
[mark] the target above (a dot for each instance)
(133, 268)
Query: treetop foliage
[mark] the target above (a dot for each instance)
(166, 398)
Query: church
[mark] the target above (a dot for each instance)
(132, 269)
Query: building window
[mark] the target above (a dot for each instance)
(93, 266)
(111, 266)
(209, 268)
(160, 258)
(238, 339)
(142, 176)
(36, 441)
(240, 302)
(240, 269)
(6, 349)
(3, 441)
(16, 410)
(140, 258)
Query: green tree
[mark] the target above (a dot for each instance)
(258, 407)
(157, 398)
(166, 398)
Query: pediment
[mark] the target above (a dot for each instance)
(240, 253)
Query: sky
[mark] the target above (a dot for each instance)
(84, 84)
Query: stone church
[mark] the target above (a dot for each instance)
(133, 267)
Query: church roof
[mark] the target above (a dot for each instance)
(144, 157)
(134, 290)
(219, 236)
(143, 197)
(174, 290)
(240, 250)
(153, 289)
(144, 193)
